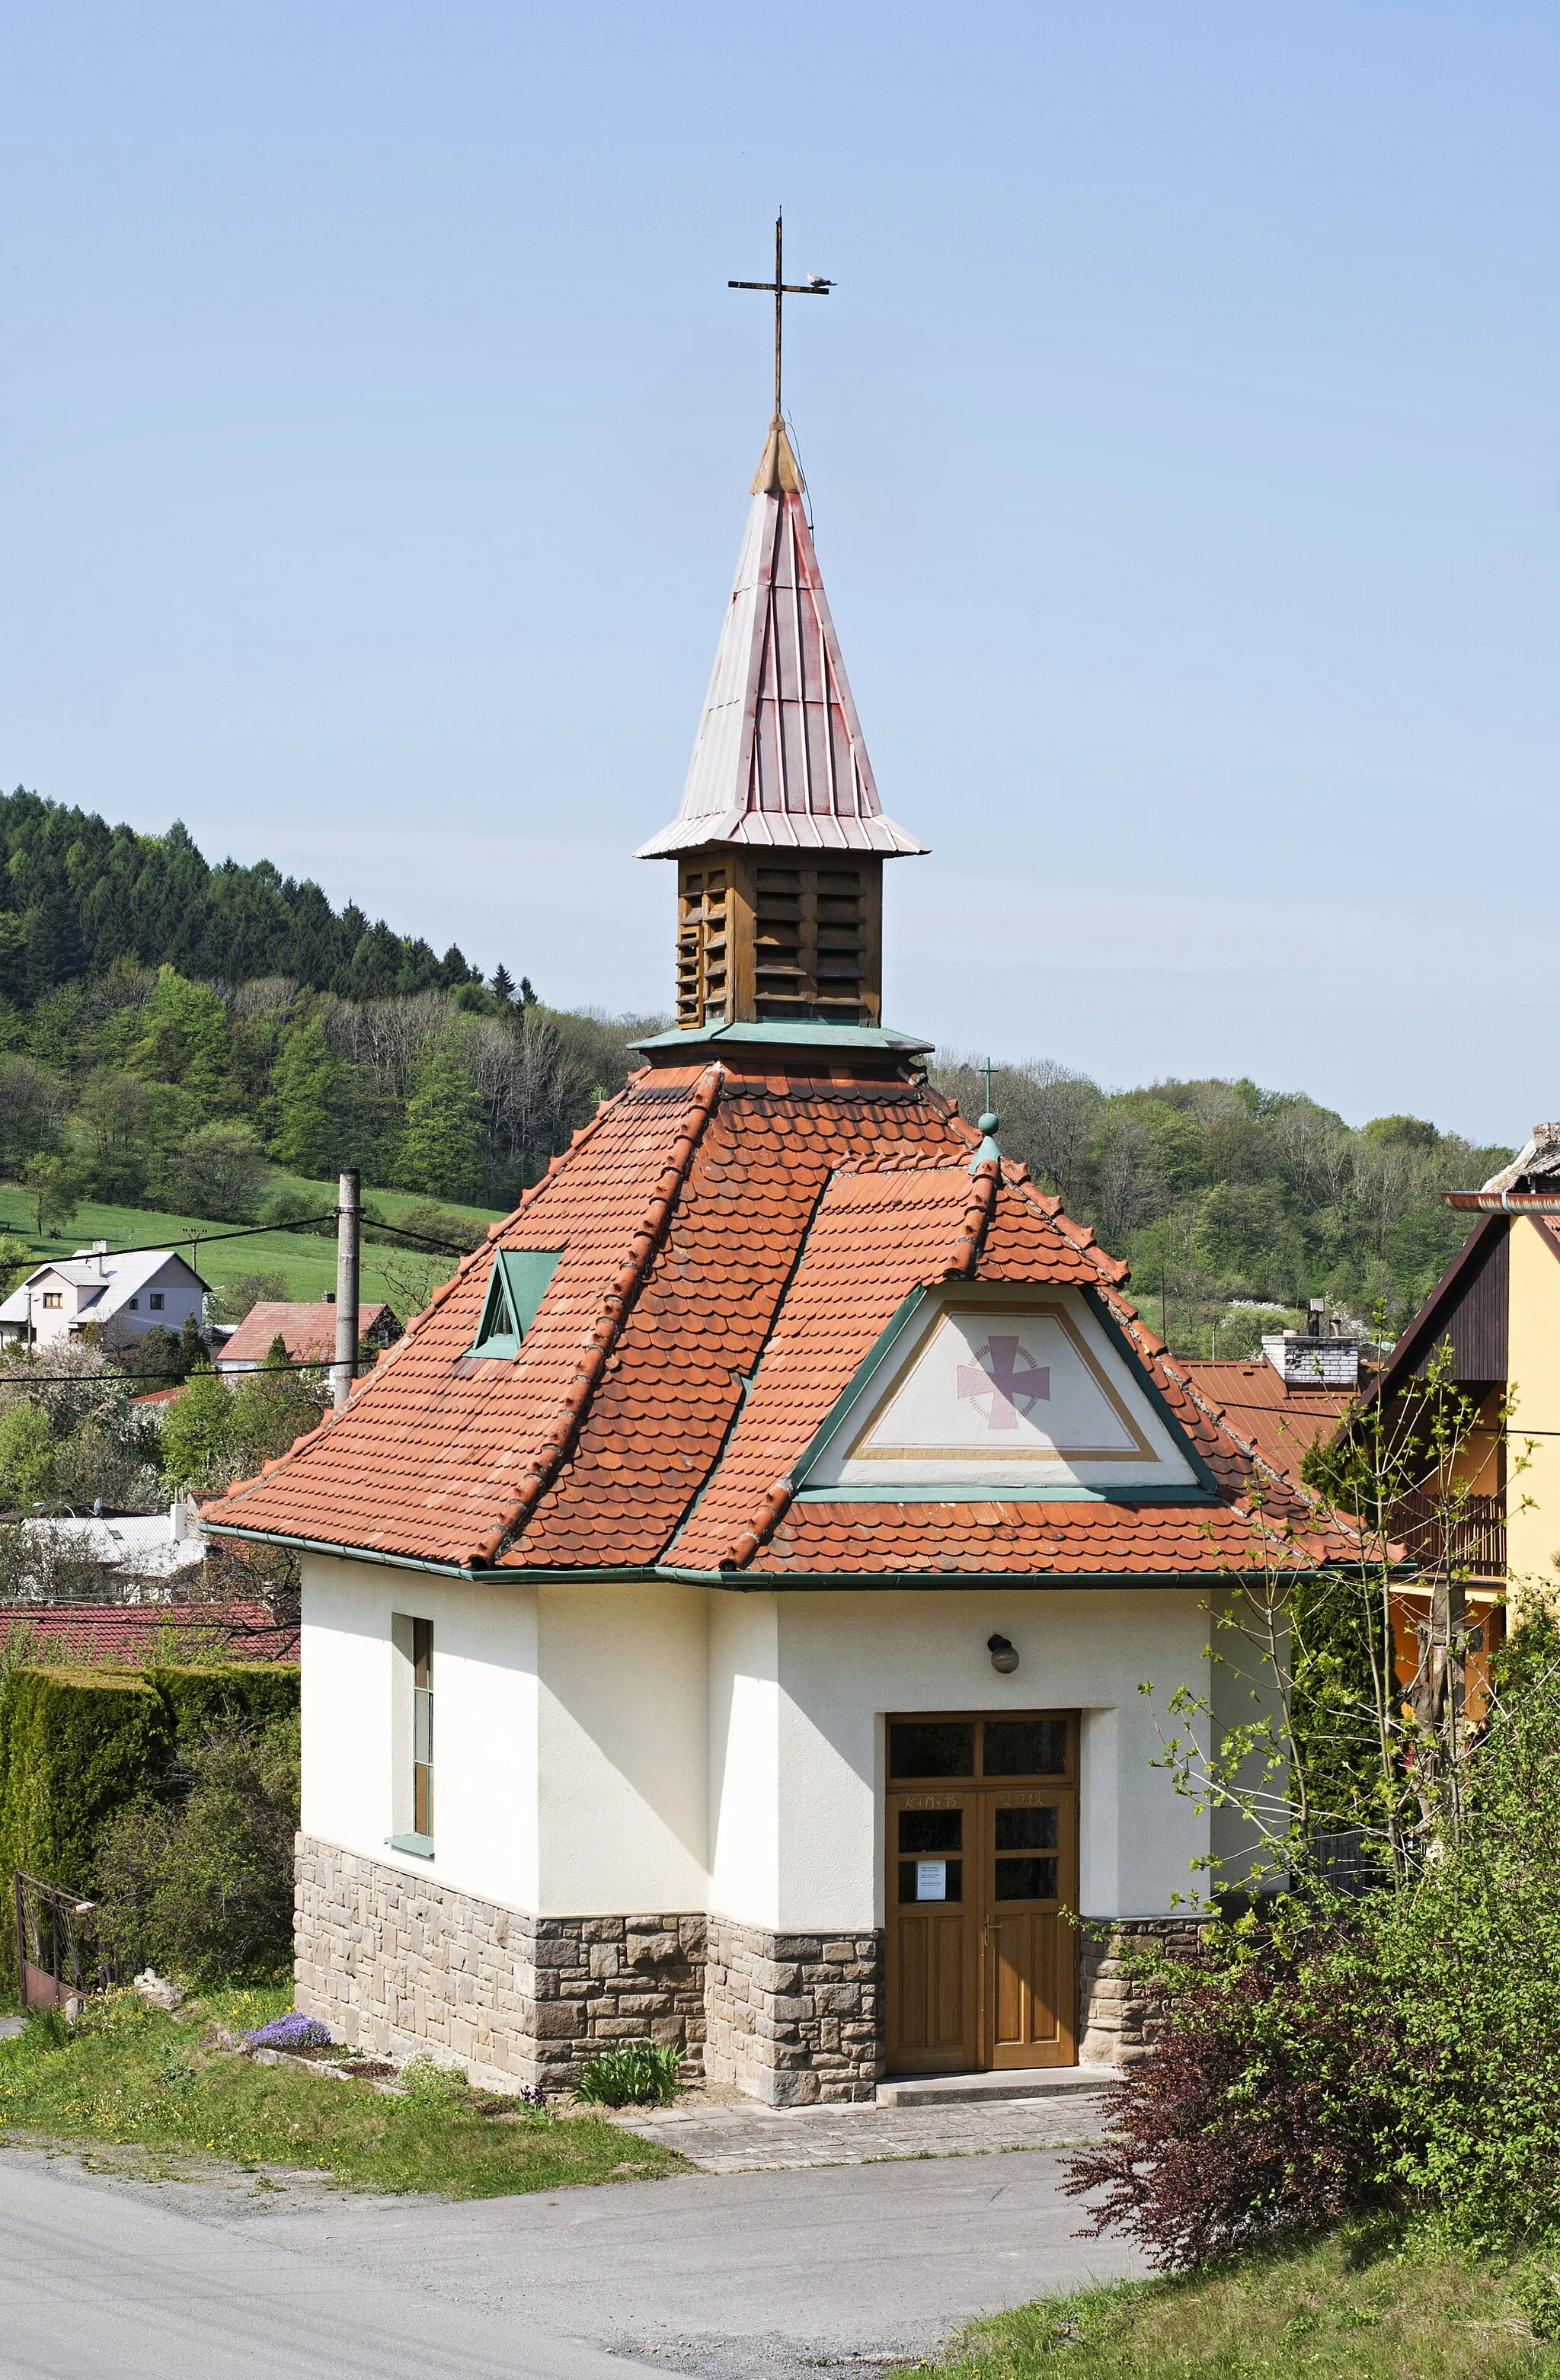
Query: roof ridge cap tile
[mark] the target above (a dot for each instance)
(555, 1447)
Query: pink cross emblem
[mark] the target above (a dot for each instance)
(994, 1374)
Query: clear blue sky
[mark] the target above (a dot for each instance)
(1182, 437)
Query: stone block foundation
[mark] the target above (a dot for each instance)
(398, 1963)
(1119, 2013)
(794, 2019)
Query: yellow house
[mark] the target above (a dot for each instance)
(1497, 1310)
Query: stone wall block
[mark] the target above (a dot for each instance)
(396, 1962)
(790, 2016)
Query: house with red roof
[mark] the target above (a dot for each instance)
(307, 1331)
(724, 1609)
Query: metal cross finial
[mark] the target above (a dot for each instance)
(815, 286)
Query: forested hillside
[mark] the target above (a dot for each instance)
(1220, 1192)
(172, 1033)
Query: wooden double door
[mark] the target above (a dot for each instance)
(983, 1863)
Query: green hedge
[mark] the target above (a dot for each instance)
(75, 1744)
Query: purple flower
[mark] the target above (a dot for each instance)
(290, 2032)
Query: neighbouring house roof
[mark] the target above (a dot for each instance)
(1281, 1423)
(115, 1279)
(306, 1328)
(1467, 1308)
(137, 1544)
(780, 761)
(730, 1247)
(1536, 1165)
(136, 1632)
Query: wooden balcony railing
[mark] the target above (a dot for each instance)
(1466, 1533)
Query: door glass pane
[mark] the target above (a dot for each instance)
(936, 1747)
(1026, 1747)
(932, 1830)
(1026, 1879)
(931, 1879)
(1026, 1831)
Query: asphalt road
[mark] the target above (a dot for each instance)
(735, 2277)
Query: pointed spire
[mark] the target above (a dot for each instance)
(779, 472)
(778, 760)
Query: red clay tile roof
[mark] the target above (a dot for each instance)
(306, 1328)
(134, 1632)
(717, 1229)
(1280, 1422)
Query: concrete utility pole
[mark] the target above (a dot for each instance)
(349, 1216)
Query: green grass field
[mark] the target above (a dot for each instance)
(1365, 2305)
(132, 2075)
(307, 1265)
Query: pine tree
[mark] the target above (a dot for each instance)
(55, 951)
(503, 986)
(440, 1147)
(306, 1081)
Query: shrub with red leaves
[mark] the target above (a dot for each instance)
(1266, 2104)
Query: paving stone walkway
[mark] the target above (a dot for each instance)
(747, 2138)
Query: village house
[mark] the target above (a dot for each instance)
(725, 1610)
(115, 1298)
(1490, 1329)
(306, 1328)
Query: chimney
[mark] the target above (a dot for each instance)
(100, 1249)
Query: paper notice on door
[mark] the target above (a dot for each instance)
(931, 1879)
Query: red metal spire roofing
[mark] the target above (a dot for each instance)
(731, 1247)
(778, 759)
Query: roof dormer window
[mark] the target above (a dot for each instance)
(516, 1289)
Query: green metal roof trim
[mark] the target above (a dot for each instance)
(746, 1582)
(807, 1033)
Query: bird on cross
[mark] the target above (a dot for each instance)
(815, 286)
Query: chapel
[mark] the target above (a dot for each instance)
(725, 1608)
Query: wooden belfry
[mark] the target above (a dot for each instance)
(780, 838)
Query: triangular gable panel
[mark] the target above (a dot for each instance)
(1028, 1392)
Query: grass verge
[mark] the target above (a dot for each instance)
(1365, 2305)
(133, 2075)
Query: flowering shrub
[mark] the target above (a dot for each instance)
(1401, 2050)
(1267, 2105)
(290, 2032)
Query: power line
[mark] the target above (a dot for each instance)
(200, 1238)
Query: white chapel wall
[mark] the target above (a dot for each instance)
(604, 1750)
(744, 1755)
(623, 1723)
(484, 1721)
(797, 1702)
